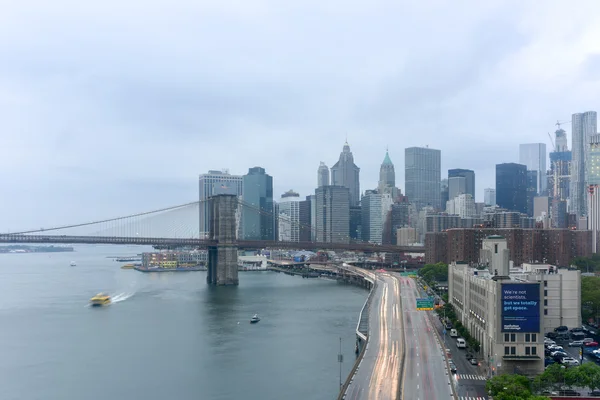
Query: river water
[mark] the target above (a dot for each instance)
(168, 335)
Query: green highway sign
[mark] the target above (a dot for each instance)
(408, 273)
(425, 304)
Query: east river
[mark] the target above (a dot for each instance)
(167, 335)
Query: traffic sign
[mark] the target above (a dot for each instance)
(425, 304)
(408, 273)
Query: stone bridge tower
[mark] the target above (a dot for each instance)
(223, 257)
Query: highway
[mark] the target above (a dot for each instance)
(378, 375)
(425, 375)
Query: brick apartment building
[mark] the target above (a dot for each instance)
(554, 246)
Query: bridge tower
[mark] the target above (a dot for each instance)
(223, 257)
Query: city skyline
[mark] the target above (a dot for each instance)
(105, 119)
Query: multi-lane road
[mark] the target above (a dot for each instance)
(378, 375)
(425, 371)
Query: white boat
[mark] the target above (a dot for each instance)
(254, 319)
(73, 264)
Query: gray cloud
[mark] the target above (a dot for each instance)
(117, 107)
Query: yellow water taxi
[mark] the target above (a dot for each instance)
(100, 300)
(128, 266)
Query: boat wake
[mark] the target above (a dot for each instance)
(121, 297)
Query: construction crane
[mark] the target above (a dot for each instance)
(558, 124)
(552, 141)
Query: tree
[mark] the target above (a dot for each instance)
(511, 387)
(432, 273)
(590, 373)
(590, 296)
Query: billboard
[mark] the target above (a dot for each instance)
(520, 307)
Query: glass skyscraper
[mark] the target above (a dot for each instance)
(511, 187)
(258, 212)
(422, 176)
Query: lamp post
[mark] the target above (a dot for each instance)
(340, 361)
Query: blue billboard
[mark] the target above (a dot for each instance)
(520, 307)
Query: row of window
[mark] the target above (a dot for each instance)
(512, 350)
(512, 337)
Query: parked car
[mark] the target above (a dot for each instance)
(473, 361)
(576, 343)
(570, 361)
(591, 344)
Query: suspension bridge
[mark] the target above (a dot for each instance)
(179, 226)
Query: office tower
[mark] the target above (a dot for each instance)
(397, 218)
(469, 176)
(532, 182)
(489, 196)
(593, 195)
(375, 208)
(322, 175)
(533, 156)
(332, 214)
(212, 183)
(422, 174)
(345, 173)
(511, 187)
(387, 176)
(445, 192)
(258, 213)
(583, 126)
(289, 217)
(304, 216)
(456, 185)
(355, 222)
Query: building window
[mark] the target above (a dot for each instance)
(545, 302)
(545, 311)
(533, 337)
(534, 351)
(545, 292)
(513, 337)
(513, 350)
(527, 350)
(545, 283)
(496, 248)
(506, 337)
(506, 350)
(527, 337)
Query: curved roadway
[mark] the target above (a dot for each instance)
(425, 375)
(378, 375)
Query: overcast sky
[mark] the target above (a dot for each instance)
(113, 107)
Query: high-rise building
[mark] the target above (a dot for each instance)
(212, 183)
(422, 173)
(355, 222)
(559, 180)
(375, 207)
(469, 176)
(489, 196)
(583, 125)
(322, 175)
(593, 195)
(462, 205)
(533, 156)
(456, 185)
(304, 216)
(258, 214)
(345, 173)
(387, 176)
(532, 182)
(511, 187)
(289, 217)
(332, 214)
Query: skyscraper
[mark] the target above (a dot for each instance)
(258, 212)
(387, 176)
(533, 156)
(422, 172)
(456, 185)
(345, 173)
(322, 175)
(469, 176)
(304, 216)
(332, 214)
(559, 180)
(583, 126)
(511, 187)
(211, 183)
(489, 197)
(593, 189)
(289, 217)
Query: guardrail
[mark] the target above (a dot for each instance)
(364, 338)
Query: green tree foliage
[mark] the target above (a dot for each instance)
(556, 377)
(432, 273)
(587, 264)
(590, 296)
(511, 387)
